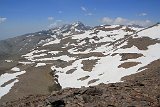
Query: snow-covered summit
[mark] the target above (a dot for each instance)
(68, 29)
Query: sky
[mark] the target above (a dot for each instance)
(18, 17)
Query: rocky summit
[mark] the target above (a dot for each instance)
(75, 65)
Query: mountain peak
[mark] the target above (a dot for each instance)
(77, 23)
(80, 26)
(74, 28)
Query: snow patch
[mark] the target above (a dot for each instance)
(15, 69)
(54, 52)
(40, 64)
(153, 32)
(26, 63)
(9, 60)
(5, 78)
(53, 42)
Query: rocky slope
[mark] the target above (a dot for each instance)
(75, 56)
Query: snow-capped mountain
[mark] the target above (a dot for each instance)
(102, 55)
(76, 55)
(70, 29)
(22, 44)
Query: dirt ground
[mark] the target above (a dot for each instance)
(28, 83)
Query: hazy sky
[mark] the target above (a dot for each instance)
(23, 16)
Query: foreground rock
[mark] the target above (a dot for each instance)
(137, 90)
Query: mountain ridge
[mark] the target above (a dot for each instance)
(83, 58)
